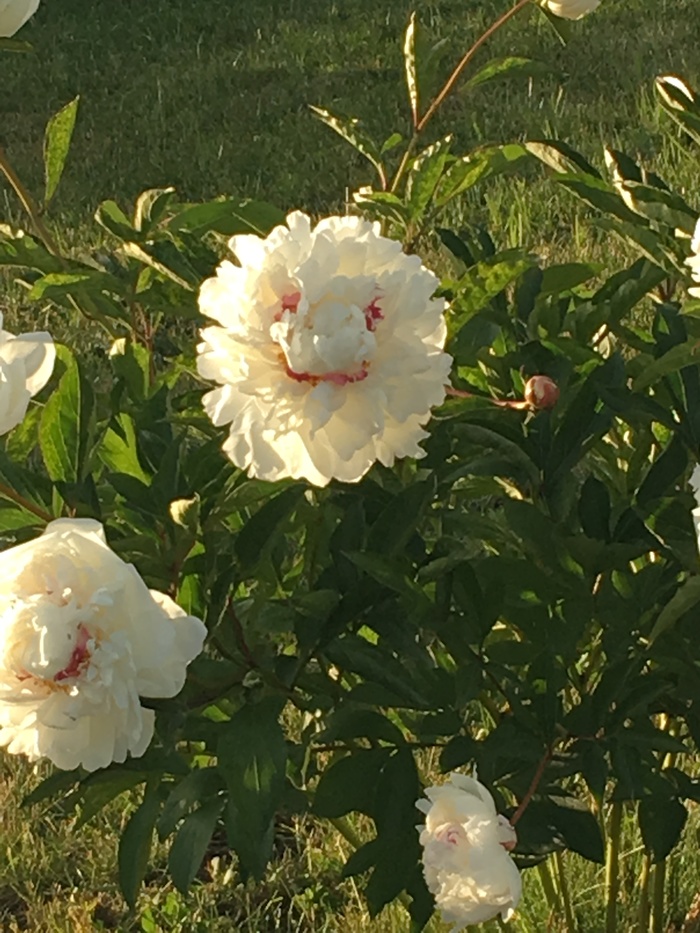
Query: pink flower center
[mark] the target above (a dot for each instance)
(78, 658)
(345, 338)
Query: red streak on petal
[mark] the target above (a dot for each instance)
(373, 313)
(78, 658)
(338, 379)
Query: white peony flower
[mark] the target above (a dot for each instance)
(695, 486)
(329, 354)
(26, 364)
(694, 262)
(81, 639)
(571, 9)
(465, 853)
(14, 14)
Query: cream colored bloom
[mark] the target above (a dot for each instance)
(26, 364)
(571, 9)
(81, 639)
(14, 14)
(695, 486)
(694, 262)
(465, 853)
(328, 354)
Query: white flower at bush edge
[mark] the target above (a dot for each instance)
(330, 351)
(695, 486)
(571, 9)
(14, 14)
(694, 262)
(26, 364)
(81, 639)
(466, 863)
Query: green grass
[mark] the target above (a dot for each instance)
(212, 96)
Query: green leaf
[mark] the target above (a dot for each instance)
(661, 821)
(101, 788)
(683, 600)
(579, 829)
(57, 140)
(349, 129)
(350, 783)
(110, 216)
(190, 845)
(66, 422)
(135, 845)
(424, 176)
(228, 217)
(484, 281)
(192, 789)
(151, 208)
(478, 166)
(409, 57)
(398, 522)
(14, 45)
(511, 66)
(259, 530)
(252, 755)
(678, 357)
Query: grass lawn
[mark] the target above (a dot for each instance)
(212, 96)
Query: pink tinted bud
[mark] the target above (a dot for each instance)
(541, 393)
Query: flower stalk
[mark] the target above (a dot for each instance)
(448, 87)
(612, 867)
(29, 205)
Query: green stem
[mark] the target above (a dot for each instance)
(29, 204)
(548, 888)
(564, 893)
(612, 867)
(643, 912)
(448, 87)
(657, 901)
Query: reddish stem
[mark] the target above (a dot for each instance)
(532, 789)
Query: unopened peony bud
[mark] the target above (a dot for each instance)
(541, 393)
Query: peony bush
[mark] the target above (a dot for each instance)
(369, 519)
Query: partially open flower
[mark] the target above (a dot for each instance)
(14, 14)
(329, 354)
(465, 853)
(571, 9)
(81, 639)
(26, 364)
